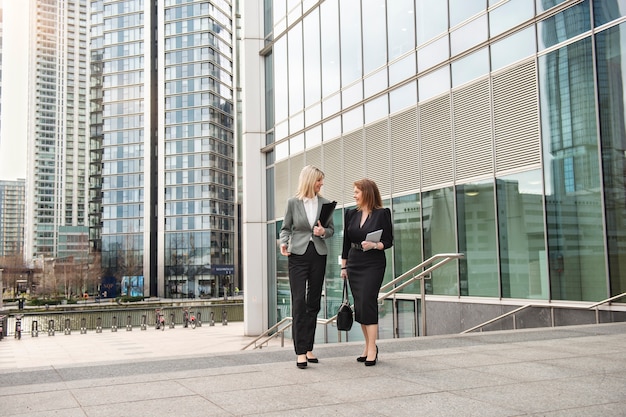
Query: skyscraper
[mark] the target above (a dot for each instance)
(11, 217)
(162, 124)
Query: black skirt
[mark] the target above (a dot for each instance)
(366, 271)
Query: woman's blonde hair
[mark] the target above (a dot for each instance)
(306, 184)
(370, 196)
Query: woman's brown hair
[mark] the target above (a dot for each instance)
(370, 196)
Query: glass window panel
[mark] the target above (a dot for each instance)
(375, 83)
(313, 114)
(269, 91)
(296, 122)
(611, 50)
(401, 27)
(282, 130)
(607, 11)
(283, 292)
(477, 239)
(296, 81)
(407, 240)
(523, 261)
(353, 119)
(332, 128)
(296, 144)
(403, 97)
(312, 70)
(374, 35)
(352, 95)
(461, 10)
(509, 15)
(331, 105)
(333, 281)
(433, 84)
(439, 236)
(543, 5)
(402, 69)
(513, 48)
(470, 67)
(469, 35)
(563, 26)
(282, 150)
(433, 54)
(313, 136)
(330, 48)
(572, 174)
(281, 90)
(376, 109)
(350, 28)
(432, 19)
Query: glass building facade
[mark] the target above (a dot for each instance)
(162, 126)
(493, 128)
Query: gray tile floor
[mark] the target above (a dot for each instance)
(569, 371)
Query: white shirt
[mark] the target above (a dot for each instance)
(310, 205)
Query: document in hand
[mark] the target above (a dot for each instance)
(326, 212)
(374, 236)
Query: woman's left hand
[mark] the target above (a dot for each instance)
(367, 245)
(318, 230)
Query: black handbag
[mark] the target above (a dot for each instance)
(344, 315)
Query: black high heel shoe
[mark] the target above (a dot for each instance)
(301, 365)
(372, 363)
(361, 359)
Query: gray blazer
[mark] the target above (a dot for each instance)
(296, 231)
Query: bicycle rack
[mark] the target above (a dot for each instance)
(51, 327)
(172, 321)
(67, 329)
(83, 326)
(34, 329)
(129, 324)
(114, 324)
(212, 323)
(198, 321)
(99, 325)
(143, 322)
(224, 320)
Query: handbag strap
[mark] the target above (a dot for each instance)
(345, 289)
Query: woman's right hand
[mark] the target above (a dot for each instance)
(283, 250)
(344, 273)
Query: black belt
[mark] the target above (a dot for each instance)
(356, 246)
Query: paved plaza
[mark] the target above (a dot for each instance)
(568, 371)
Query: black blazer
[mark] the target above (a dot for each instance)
(354, 233)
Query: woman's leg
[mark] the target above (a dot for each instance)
(370, 332)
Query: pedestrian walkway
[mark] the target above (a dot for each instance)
(567, 371)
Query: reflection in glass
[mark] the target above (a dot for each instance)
(572, 173)
(610, 47)
(509, 15)
(543, 5)
(439, 234)
(283, 290)
(607, 11)
(407, 243)
(350, 28)
(470, 67)
(477, 239)
(374, 36)
(432, 19)
(513, 48)
(523, 262)
(563, 26)
(401, 27)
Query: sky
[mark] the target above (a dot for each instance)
(14, 90)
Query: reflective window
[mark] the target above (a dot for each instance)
(313, 114)
(296, 144)
(470, 67)
(296, 82)
(281, 88)
(433, 84)
(523, 263)
(509, 15)
(513, 48)
(543, 5)
(350, 28)
(403, 97)
(330, 48)
(563, 26)
(374, 35)
(433, 54)
(572, 174)
(469, 35)
(353, 119)
(269, 93)
(331, 105)
(375, 83)
(439, 235)
(332, 128)
(461, 10)
(611, 50)
(376, 109)
(313, 136)
(312, 86)
(477, 239)
(352, 95)
(605, 11)
(432, 19)
(406, 242)
(402, 69)
(401, 27)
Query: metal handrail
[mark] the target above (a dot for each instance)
(517, 310)
(443, 259)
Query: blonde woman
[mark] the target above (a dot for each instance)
(303, 241)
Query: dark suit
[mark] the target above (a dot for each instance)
(307, 266)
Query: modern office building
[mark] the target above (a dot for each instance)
(493, 128)
(12, 217)
(56, 130)
(163, 183)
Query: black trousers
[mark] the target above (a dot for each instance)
(306, 278)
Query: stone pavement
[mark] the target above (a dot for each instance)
(567, 371)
